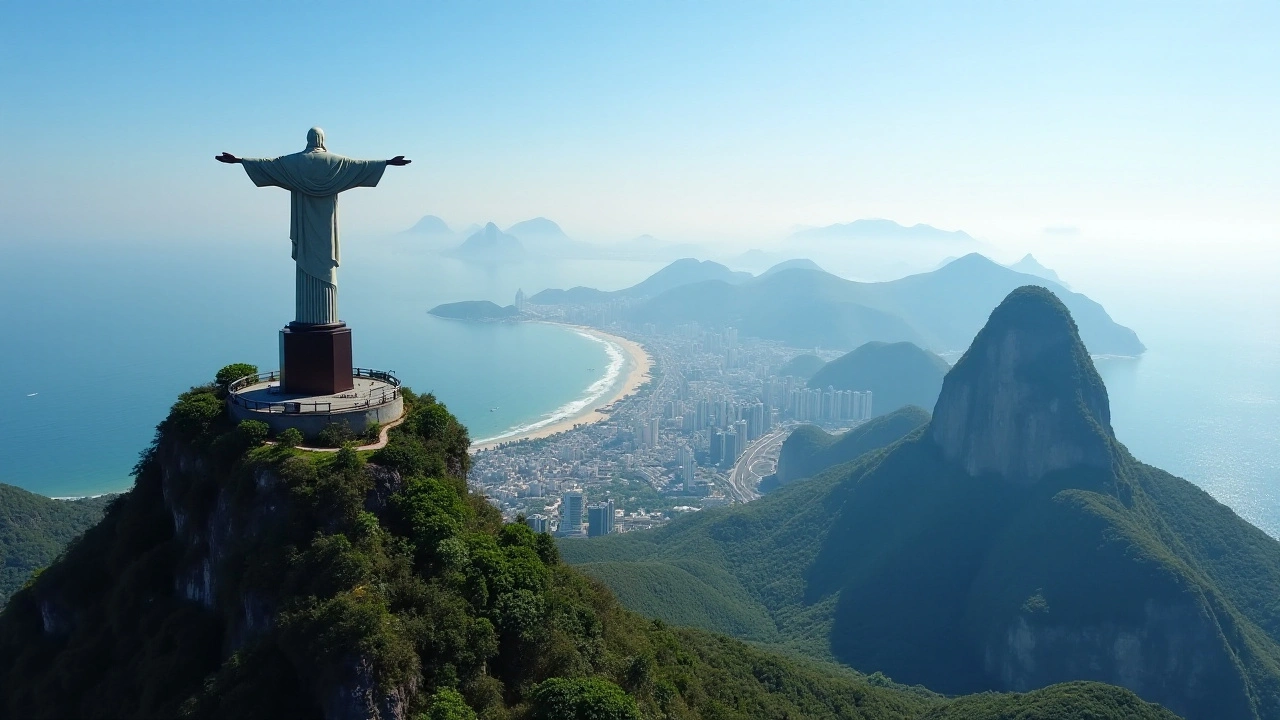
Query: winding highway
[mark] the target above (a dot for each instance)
(759, 459)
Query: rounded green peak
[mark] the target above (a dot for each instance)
(1025, 399)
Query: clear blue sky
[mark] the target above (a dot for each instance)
(1155, 123)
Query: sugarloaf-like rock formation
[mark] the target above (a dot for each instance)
(1012, 543)
(247, 579)
(1025, 399)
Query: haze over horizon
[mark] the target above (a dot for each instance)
(710, 360)
(1053, 128)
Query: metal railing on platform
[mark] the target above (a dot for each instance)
(387, 393)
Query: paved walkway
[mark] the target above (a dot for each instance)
(367, 391)
(381, 443)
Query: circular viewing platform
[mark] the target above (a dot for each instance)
(374, 399)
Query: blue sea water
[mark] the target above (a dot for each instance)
(97, 341)
(1203, 402)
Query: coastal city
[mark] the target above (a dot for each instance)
(697, 423)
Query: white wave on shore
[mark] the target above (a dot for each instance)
(592, 395)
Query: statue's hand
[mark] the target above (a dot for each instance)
(227, 157)
(398, 161)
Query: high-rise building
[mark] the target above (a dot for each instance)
(684, 459)
(758, 423)
(866, 405)
(600, 519)
(703, 415)
(519, 300)
(716, 452)
(731, 448)
(538, 523)
(571, 512)
(653, 432)
(740, 427)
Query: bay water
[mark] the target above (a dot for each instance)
(98, 341)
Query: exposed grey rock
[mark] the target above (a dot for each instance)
(1025, 400)
(359, 697)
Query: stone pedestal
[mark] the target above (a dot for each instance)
(315, 359)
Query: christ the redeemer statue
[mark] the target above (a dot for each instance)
(314, 177)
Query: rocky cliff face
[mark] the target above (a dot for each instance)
(1025, 400)
(1171, 651)
(208, 537)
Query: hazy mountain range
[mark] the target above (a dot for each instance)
(686, 271)
(868, 249)
(878, 230)
(490, 245)
(534, 239)
(1009, 543)
(804, 307)
(1029, 265)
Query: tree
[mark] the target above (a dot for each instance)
(233, 372)
(448, 704)
(583, 699)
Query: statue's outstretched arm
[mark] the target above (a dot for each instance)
(228, 158)
(398, 161)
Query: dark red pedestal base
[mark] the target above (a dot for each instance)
(316, 359)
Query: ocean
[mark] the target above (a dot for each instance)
(98, 341)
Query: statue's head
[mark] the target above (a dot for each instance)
(315, 140)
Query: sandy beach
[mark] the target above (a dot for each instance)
(635, 374)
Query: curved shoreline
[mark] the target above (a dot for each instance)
(635, 374)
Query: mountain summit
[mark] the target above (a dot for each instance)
(1025, 400)
(1010, 544)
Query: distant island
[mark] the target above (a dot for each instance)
(479, 310)
(490, 245)
(880, 229)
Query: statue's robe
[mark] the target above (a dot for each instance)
(314, 178)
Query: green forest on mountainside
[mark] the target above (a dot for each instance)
(903, 562)
(809, 449)
(939, 310)
(336, 577)
(34, 529)
(897, 374)
(801, 366)
(1066, 701)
